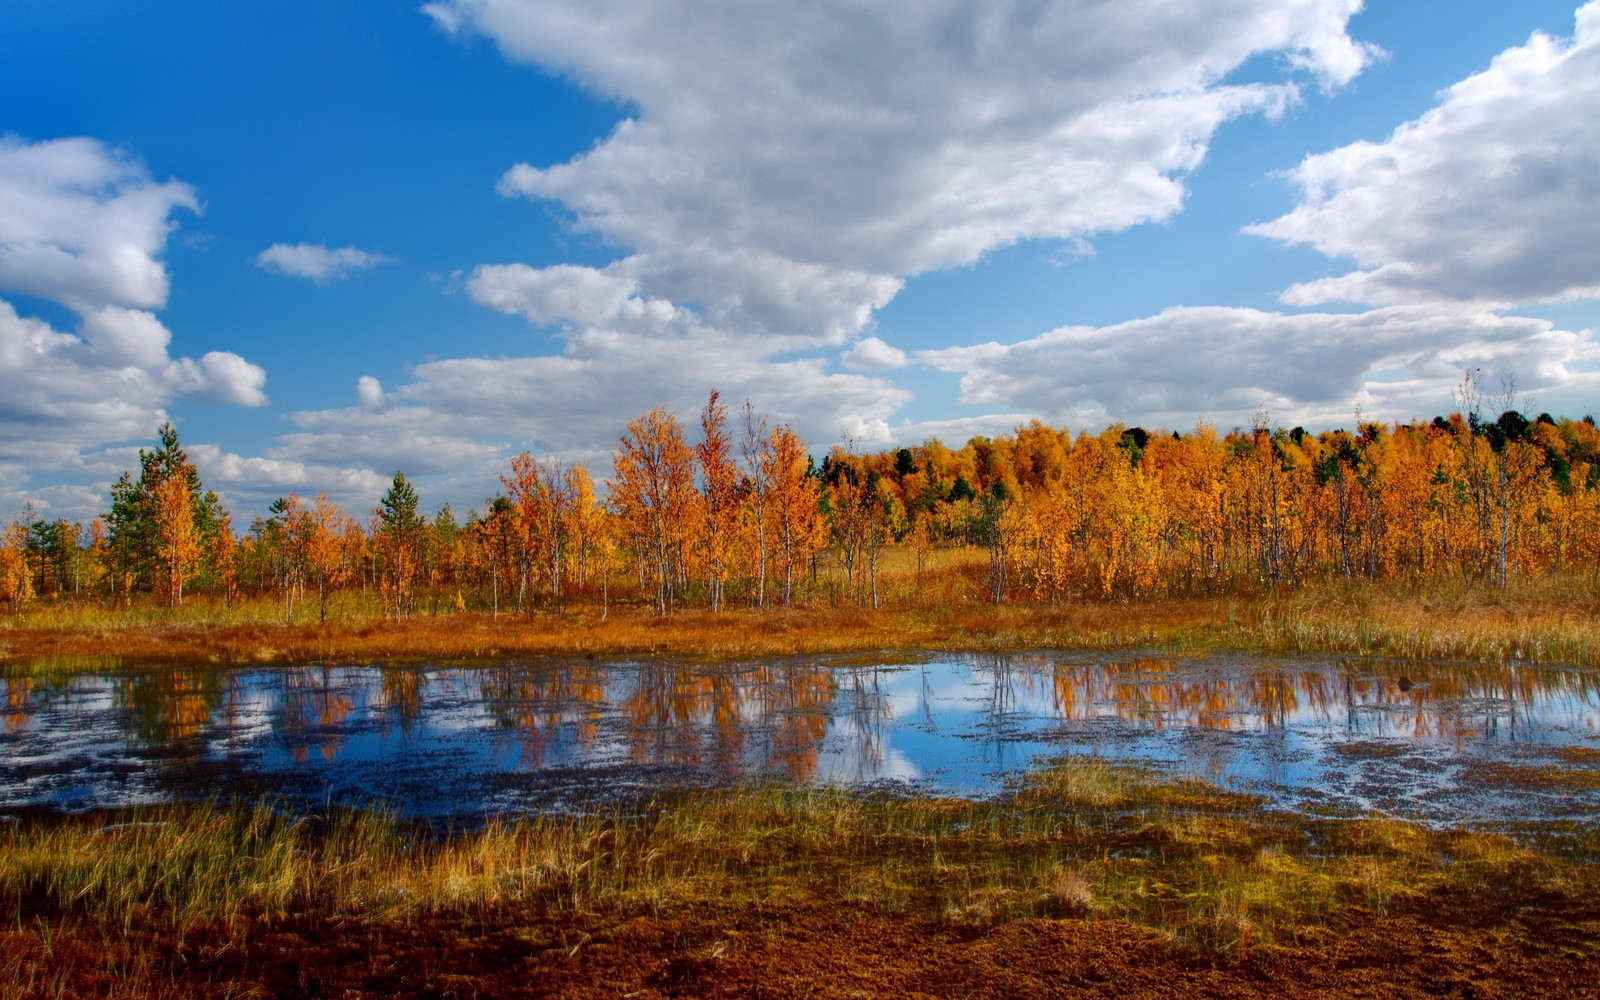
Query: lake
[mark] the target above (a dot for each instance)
(1446, 743)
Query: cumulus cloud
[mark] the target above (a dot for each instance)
(570, 294)
(219, 377)
(252, 483)
(1493, 195)
(317, 262)
(872, 354)
(53, 400)
(787, 168)
(83, 224)
(463, 410)
(58, 395)
(370, 392)
(1311, 368)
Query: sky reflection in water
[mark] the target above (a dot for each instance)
(1444, 742)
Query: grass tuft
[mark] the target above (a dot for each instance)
(1212, 872)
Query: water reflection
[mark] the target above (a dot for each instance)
(1453, 701)
(470, 738)
(172, 706)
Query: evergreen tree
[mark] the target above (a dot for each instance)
(138, 558)
(400, 538)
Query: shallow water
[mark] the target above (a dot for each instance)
(1447, 743)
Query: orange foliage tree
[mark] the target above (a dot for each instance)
(178, 541)
(655, 499)
(798, 530)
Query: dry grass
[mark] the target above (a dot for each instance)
(1210, 871)
(942, 607)
(1544, 620)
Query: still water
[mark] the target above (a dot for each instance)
(1449, 743)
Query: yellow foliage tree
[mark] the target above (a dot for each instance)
(178, 543)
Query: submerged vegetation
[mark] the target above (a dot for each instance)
(187, 900)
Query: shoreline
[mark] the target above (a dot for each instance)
(1533, 624)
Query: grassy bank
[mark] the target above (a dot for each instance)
(1554, 620)
(220, 900)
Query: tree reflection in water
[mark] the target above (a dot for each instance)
(1278, 721)
(769, 717)
(19, 696)
(313, 700)
(1453, 701)
(173, 705)
(542, 704)
(400, 695)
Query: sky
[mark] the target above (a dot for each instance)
(333, 241)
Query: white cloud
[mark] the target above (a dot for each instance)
(251, 484)
(788, 167)
(1493, 195)
(53, 400)
(83, 224)
(220, 377)
(461, 419)
(58, 396)
(1224, 363)
(370, 392)
(317, 262)
(567, 293)
(956, 431)
(872, 354)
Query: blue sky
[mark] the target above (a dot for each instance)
(333, 241)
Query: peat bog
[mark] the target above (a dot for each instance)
(1039, 823)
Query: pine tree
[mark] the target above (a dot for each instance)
(399, 530)
(141, 534)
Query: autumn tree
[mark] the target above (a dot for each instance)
(719, 485)
(324, 529)
(223, 556)
(524, 488)
(398, 533)
(586, 526)
(139, 552)
(555, 511)
(498, 543)
(16, 581)
(288, 532)
(178, 541)
(864, 514)
(654, 496)
(793, 498)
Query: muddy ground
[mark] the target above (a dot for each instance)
(1506, 947)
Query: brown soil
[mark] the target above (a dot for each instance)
(1545, 947)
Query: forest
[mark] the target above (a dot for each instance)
(737, 512)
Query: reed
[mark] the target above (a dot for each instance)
(1213, 872)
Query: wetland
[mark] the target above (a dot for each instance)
(1138, 821)
(1458, 744)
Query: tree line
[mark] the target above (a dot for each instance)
(739, 513)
